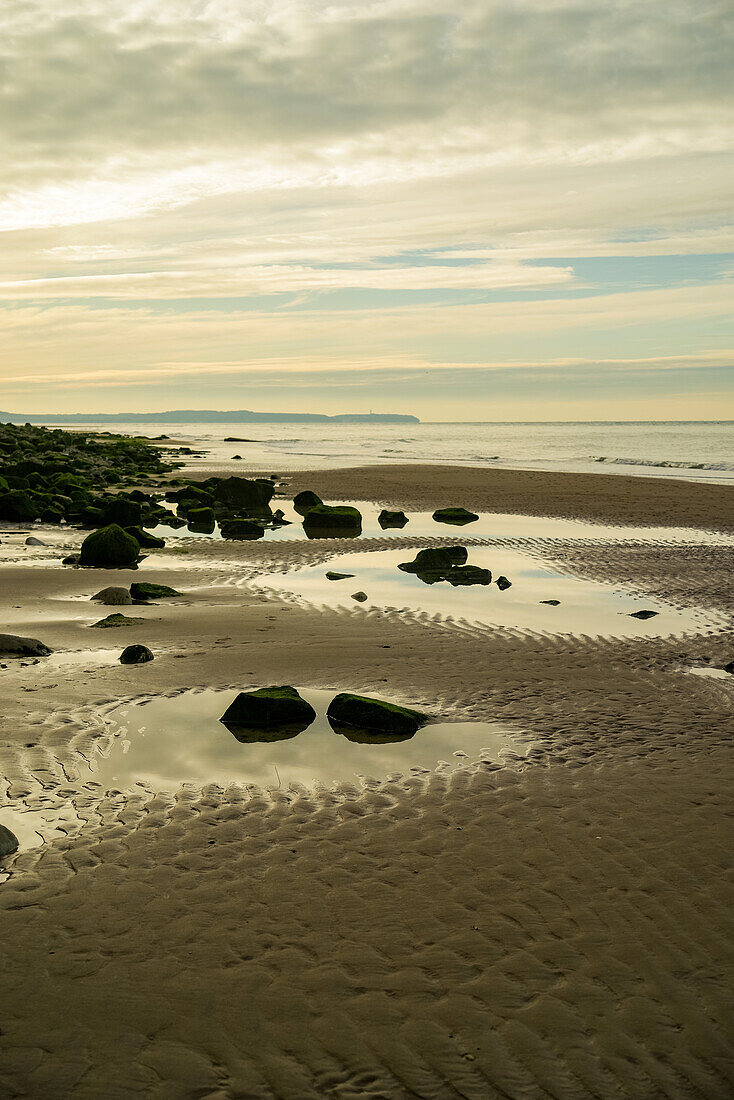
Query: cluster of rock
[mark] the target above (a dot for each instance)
(278, 713)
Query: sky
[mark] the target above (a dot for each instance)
(492, 210)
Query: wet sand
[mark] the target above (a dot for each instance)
(555, 926)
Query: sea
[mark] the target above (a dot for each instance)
(691, 450)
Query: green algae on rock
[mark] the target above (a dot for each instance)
(110, 548)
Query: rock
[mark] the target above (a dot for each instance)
(388, 520)
(434, 565)
(279, 519)
(237, 439)
(169, 520)
(359, 717)
(124, 512)
(143, 590)
(13, 645)
(136, 655)
(71, 559)
(33, 541)
(110, 548)
(551, 603)
(18, 506)
(305, 501)
(244, 495)
(503, 583)
(245, 529)
(8, 842)
(117, 620)
(360, 597)
(729, 668)
(331, 576)
(201, 520)
(457, 516)
(643, 614)
(236, 458)
(330, 522)
(145, 540)
(461, 575)
(113, 596)
(268, 714)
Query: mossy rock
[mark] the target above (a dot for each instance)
(303, 502)
(456, 516)
(268, 714)
(126, 513)
(19, 506)
(110, 548)
(202, 520)
(360, 717)
(144, 590)
(113, 621)
(337, 521)
(241, 494)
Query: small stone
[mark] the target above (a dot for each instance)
(551, 603)
(360, 597)
(643, 614)
(33, 541)
(113, 596)
(331, 576)
(503, 583)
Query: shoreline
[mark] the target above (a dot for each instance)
(553, 924)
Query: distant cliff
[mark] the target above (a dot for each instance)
(207, 416)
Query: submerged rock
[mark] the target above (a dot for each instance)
(112, 596)
(110, 548)
(115, 620)
(268, 714)
(457, 516)
(361, 718)
(503, 583)
(643, 614)
(13, 645)
(331, 576)
(144, 590)
(8, 842)
(445, 564)
(305, 501)
(136, 655)
(388, 520)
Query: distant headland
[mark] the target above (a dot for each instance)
(207, 416)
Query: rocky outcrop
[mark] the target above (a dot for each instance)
(110, 548)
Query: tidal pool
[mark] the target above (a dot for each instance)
(584, 606)
(167, 741)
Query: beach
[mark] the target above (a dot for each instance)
(551, 923)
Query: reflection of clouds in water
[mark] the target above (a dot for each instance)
(585, 606)
(177, 740)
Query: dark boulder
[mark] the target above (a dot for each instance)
(126, 513)
(18, 506)
(643, 614)
(729, 667)
(388, 520)
(201, 520)
(332, 576)
(456, 516)
(113, 596)
(360, 597)
(268, 714)
(305, 501)
(327, 522)
(241, 529)
(136, 655)
(12, 645)
(8, 842)
(503, 583)
(463, 575)
(110, 548)
(143, 590)
(240, 494)
(434, 565)
(361, 718)
(33, 541)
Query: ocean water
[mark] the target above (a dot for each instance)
(702, 450)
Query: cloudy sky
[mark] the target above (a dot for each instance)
(497, 209)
